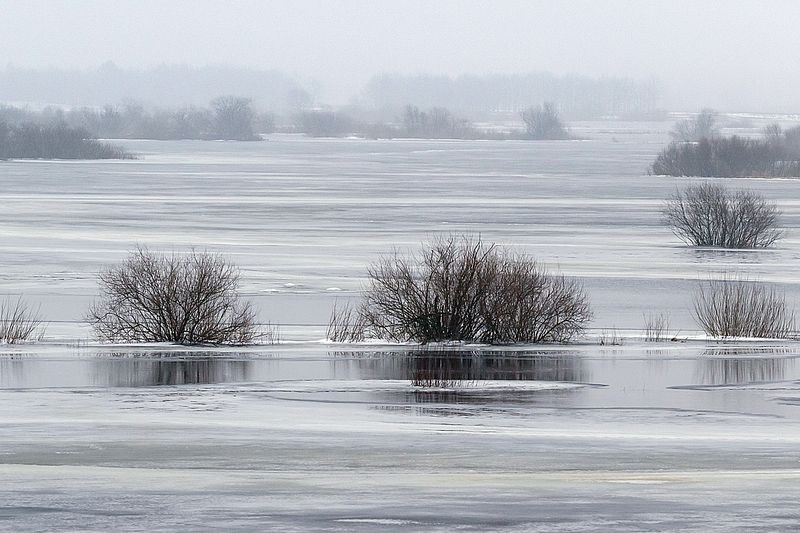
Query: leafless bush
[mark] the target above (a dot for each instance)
(711, 215)
(461, 289)
(346, 324)
(186, 299)
(19, 321)
(656, 327)
(742, 308)
(544, 123)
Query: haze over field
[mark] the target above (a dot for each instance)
(733, 55)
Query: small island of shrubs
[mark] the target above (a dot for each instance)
(698, 150)
(58, 141)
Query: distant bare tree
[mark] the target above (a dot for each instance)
(185, 299)
(702, 126)
(233, 118)
(710, 215)
(543, 122)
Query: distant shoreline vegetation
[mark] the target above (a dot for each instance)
(539, 123)
(227, 118)
(234, 118)
(34, 141)
(698, 150)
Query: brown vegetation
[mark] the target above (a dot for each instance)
(185, 299)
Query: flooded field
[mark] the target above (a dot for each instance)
(311, 436)
(304, 217)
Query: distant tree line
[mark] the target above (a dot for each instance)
(540, 123)
(227, 118)
(699, 150)
(58, 141)
(578, 97)
(233, 118)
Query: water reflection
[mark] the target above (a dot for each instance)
(717, 367)
(716, 255)
(123, 371)
(443, 367)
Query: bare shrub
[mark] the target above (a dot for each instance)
(461, 289)
(711, 215)
(186, 299)
(527, 303)
(742, 308)
(346, 324)
(656, 327)
(543, 122)
(19, 321)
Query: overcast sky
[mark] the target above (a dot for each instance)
(734, 54)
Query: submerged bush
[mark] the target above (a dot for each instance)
(185, 299)
(711, 215)
(461, 289)
(742, 308)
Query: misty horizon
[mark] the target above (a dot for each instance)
(700, 55)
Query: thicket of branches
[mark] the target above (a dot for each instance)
(33, 141)
(186, 299)
(462, 289)
(709, 214)
(743, 308)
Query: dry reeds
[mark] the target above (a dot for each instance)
(19, 321)
(742, 308)
(346, 324)
(656, 327)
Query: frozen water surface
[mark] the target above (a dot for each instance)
(310, 437)
(582, 438)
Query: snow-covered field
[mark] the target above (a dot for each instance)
(304, 436)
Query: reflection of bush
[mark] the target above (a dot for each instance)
(448, 366)
(717, 371)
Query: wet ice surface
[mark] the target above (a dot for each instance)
(303, 217)
(307, 437)
(304, 437)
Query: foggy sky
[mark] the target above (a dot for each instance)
(734, 55)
